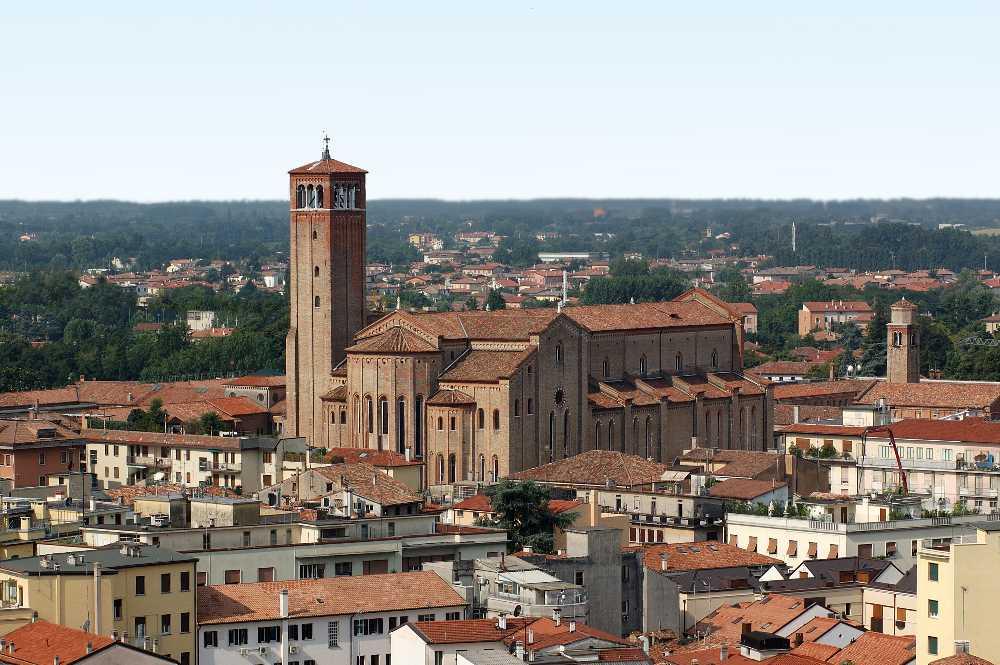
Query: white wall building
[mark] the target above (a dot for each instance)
(339, 621)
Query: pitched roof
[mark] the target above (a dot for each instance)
(968, 430)
(819, 388)
(377, 458)
(818, 428)
(744, 488)
(837, 306)
(700, 556)
(486, 366)
(161, 439)
(792, 367)
(504, 324)
(41, 642)
(596, 467)
(706, 657)
(467, 630)
(941, 394)
(768, 615)
(26, 432)
(229, 603)
(129, 493)
(815, 650)
(961, 659)
(449, 398)
(873, 648)
(477, 502)
(650, 316)
(393, 340)
(259, 381)
(371, 483)
(325, 167)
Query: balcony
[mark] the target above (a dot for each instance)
(978, 492)
(148, 461)
(219, 467)
(916, 464)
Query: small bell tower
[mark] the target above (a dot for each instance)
(902, 354)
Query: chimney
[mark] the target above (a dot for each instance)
(55, 660)
(664, 558)
(745, 628)
(795, 413)
(572, 626)
(595, 508)
(283, 604)
(527, 549)
(531, 636)
(519, 650)
(799, 639)
(557, 616)
(502, 622)
(723, 653)
(90, 647)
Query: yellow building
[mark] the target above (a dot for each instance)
(957, 587)
(145, 597)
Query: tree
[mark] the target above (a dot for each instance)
(522, 509)
(209, 423)
(495, 301)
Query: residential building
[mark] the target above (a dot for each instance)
(823, 315)
(338, 621)
(398, 467)
(40, 642)
(892, 608)
(32, 451)
(795, 540)
(121, 457)
(538, 640)
(199, 320)
(142, 596)
(954, 593)
(346, 489)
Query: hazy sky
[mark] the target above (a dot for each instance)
(168, 100)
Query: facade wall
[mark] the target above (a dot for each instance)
(31, 466)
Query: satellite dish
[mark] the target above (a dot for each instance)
(158, 476)
(517, 610)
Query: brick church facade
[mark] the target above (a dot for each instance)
(479, 395)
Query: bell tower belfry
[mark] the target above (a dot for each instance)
(902, 344)
(326, 283)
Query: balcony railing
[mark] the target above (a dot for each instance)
(148, 461)
(217, 467)
(983, 492)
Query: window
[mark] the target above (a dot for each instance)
(452, 616)
(368, 627)
(496, 419)
(343, 568)
(932, 645)
(480, 419)
(140, 585)
(140, 626)
(268, 634)
(210, 638)
(311, 571)
(890, 548)
(578, 578)
(117, 605)
(947, 455)
(426, 617)
(439, 658)
(293, 631)
(932, 572)
(559, 354)
(41, 459)
(383, 415)
(374, 659)
(316, 271)
(517, 408)
(440, 423)
(307, 631)
(678, 362)
(451, 423)
(715, 359)
(165, 583)
(233, 576)
(165, 624)
(202, 578)
(238, 637)
(360, 660)
(932, 608)
(333, 634)
(316, 301)
(265, 574)
(642, 366)
(185, 622)
(185, 581)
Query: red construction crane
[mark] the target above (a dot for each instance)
(895, 450)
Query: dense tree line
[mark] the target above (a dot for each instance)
(54, 331)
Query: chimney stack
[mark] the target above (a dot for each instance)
(572, 626)
(664, 558)
(723, 653)
(90, 647)
(799, 639)
(745, 628)
(502, 622)
(283, 604)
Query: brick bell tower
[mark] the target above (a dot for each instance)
(326, 283)
(902, 344)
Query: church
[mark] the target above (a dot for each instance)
(478, 395)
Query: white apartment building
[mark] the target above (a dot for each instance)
(118, 457)
(797, 540)
(338, 621)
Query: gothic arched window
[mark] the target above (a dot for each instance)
(606, 369)
(642, 366)
(300, 196)
(451, 468)
(496, 469)
(566, 433)
(715, 359)
(319, 196)
(679, 362)
(480, 419)
(517, 408)
(496, 419)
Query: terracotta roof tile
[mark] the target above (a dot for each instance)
(837, 306)
(377, 458)
(228, 603)
(371, 483)
(468, 630)
(768, 614)
(651, 316)
(451, 398)
(596, 467)
(41, 642)
(706, 657)
(161, 439)
(873, 648)
(940, 394)
(820, 388)
(744, 489)
(702, 556)
(815, 650)
(486, 366)
(258, 381)
(394, 340)
(961, 659)
(128, 493)
(326, 167)
(26, 432)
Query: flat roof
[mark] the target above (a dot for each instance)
(111, 560)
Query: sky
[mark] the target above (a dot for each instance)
(461, 100)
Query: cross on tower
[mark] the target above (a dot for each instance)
(326, 146)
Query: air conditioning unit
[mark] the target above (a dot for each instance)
(262, 651)
(293, 649)
(244, 652)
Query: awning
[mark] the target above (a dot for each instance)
(813, 547)
(793, 548)
(752, 545)
(834, 551)
(772, 545)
